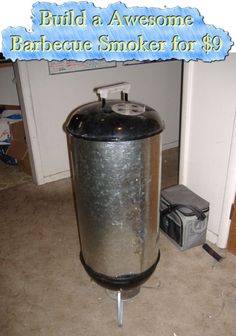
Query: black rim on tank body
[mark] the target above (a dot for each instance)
(124, 282)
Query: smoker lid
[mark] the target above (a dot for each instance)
(116, 121)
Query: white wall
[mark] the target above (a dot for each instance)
(209, 107)
(8, 93)
(50, 98)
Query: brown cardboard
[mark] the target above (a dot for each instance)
(9, 107)
(18, 148)
(17, 131)
(24, 164)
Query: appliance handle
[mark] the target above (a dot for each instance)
(172, 207)
(105, 91)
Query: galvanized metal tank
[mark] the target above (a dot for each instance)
(116, 161)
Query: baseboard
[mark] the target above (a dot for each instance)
(170, 145)
(212, 237)
(56, 177)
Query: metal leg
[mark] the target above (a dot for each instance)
(120, 297)
(119, 309)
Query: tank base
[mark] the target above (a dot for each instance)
(123, 282)
(126, 294)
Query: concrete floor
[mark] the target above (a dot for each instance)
(44, 290)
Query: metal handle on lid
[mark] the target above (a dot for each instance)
(104, 91)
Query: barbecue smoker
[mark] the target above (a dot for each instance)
(115, 154)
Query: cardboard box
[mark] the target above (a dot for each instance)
(18, 147)
(5, 137)
(8, 117)
(24, 164)
(17, 131)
